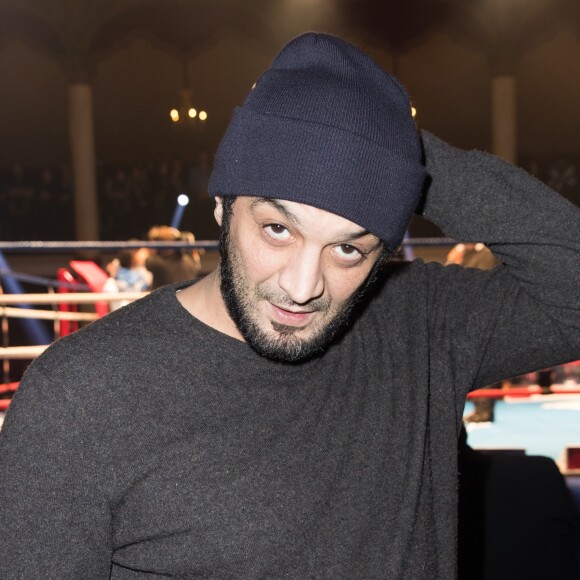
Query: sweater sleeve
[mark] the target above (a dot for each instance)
(54, 520)
(525, 314)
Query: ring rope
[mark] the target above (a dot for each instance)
(22, 352)
(41, 281)
(523, 392)
(35, 246)
(8, 388)
(9, 312)
(39, 247)
(69, 297)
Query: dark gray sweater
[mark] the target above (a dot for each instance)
(149, 445)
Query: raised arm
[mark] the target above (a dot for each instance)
(525, 314)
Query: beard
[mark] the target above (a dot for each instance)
(283, 342)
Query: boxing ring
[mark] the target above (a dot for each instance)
(532, 419)
(8, 310)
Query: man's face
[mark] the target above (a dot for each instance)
(291, 274)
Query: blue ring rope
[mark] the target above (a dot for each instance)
(39, 247)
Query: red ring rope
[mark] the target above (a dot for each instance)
(521, 392)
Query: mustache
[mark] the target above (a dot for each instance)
(283, 300)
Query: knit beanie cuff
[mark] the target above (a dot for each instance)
(279, 157)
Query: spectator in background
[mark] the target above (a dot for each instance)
(195, 253)
(130, 271)
(128, 274)
(472, 256)
(168, 266)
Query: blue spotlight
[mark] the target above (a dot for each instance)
(182, 201)
(35, 332)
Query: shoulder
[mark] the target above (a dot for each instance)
(126, 339)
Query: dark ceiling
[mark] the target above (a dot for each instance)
(131, 51)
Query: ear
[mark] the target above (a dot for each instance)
(218, 211)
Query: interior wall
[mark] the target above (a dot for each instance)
(33, 108)
(450, 86)
(132, 110)
(549, 97)
(136, 85)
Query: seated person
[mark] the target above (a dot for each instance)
(128, 273)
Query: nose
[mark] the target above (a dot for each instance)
(302, 278)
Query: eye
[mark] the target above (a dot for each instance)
(277, 232)
(348, 253)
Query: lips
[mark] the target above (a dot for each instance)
(290, 317)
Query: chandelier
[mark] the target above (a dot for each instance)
(187, 112)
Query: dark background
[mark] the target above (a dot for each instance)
(132, 53)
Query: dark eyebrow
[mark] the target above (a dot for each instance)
(277, 205)
(357, 235)
(294, 219)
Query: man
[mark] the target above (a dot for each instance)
(294, 414)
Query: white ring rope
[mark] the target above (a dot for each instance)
(69, 297)
(9, 312)
(22, 352)
(31, 352)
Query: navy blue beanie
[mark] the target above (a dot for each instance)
(328, 127)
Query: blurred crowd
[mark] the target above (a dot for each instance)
(140, 269)
(37, 203)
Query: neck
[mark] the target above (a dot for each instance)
(204, 301)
